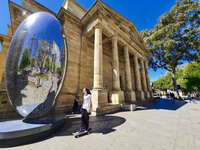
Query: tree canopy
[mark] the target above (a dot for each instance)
(188, 78)
(176, 38)
(24, 60)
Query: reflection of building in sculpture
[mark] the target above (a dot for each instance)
(55, 54)
(62, 58)
(105, 54)
(30, 49)
(44, 47)
(44, 50)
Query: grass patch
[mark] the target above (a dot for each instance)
(43, 76)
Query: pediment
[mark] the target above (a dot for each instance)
(125, 26)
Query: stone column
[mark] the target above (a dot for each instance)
(98, 58)
(144, 82)
(116, 82)
(130, 94)
(139, 92)
(99, 95)
(116, 96)
(147, 79)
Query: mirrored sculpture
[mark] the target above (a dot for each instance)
(35, 65)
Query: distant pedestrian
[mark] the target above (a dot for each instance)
(173, 96)
(37, 81)
(75, 106)
(190, 97)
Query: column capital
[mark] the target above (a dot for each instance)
(115, 37)
(140, 59)
(98, 26)
(126, 46)
(135, 56)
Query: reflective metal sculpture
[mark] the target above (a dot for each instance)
(35, 65)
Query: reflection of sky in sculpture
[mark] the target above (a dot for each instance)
(44, 27)
(36, 67)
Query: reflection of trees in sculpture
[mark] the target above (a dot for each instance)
(25, 59)
(53, 67)
(59, 71)
(62, 58)
(40, 59)
(47, 65)
(32, 62)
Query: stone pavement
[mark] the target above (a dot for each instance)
(166, 125)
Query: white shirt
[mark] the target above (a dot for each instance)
(86, 101)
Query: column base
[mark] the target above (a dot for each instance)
(151, 94)
(130, 96)
(116, 97)
(147, 95)
(140, 95)
(99, 98)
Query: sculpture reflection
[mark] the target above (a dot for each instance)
(39, 49)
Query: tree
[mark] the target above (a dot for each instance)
(188, 78)
(47, 64)
(59, 71)
(163, 83)
(176, 38)
(53, 67)
(25, 61)
(190, 81)
(32, 62)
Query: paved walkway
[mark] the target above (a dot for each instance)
(166, 126)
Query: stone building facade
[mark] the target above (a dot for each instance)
(105, 54)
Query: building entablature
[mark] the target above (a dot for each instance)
(113, 24)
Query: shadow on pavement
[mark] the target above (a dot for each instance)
(168, 104)
(100, 124)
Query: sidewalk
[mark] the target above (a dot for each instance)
(165, 126)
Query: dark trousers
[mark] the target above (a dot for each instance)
(75, 107)
(84, 119)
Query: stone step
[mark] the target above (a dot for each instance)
(128, 107)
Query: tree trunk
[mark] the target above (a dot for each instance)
(174, 82)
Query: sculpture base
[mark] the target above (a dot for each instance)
(18, 132)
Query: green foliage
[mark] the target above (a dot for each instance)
(59, 71)
(25, 61)
(47, 64)
(176, 38)
(188, 78)
(32, 62)
(43, 76)
(163, 83)
(191, 78)
(53, 67)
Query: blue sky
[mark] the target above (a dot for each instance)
(144, 14)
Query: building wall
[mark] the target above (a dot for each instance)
(34, 6)
(80, 67)
(71, 82)
(3, 56)
(74, 8)
(5, 106)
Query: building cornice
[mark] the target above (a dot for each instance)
(121, 21)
